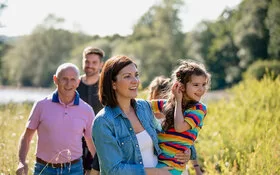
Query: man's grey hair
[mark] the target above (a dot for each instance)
(65, 66)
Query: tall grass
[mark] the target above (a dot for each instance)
(13, 118)
(240, 135)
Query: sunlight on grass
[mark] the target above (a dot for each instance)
(13, 118)
(240, 135)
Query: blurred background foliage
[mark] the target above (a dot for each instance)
(243, 39)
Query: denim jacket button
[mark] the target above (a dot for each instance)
(130, 129)
(136, 145)
(140, 162)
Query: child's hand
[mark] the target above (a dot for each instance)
(177, 92)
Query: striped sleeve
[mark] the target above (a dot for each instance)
(195, 115)
(157, 105)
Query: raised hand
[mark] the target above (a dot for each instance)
(177, 91)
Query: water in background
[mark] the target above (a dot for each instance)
(17, 95)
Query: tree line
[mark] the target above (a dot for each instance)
(239, 39)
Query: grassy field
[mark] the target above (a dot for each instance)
(240, 135)
(13, 118)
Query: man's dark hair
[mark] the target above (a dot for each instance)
(93, 50)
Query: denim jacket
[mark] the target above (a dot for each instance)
(116, 143)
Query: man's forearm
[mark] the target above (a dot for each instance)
(23, 150)
(24, 145)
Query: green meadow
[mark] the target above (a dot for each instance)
(240, 135)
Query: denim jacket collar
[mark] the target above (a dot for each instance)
(116, 111)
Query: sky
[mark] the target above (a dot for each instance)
(100, 17)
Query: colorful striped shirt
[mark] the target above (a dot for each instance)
(172, 142)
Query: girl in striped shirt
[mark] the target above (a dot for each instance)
(184, 113)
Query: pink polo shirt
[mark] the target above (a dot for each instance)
(60, 128)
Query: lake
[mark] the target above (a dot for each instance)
(18, 95)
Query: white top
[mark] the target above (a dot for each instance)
(147, 149)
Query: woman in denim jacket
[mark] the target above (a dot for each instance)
(124, 130)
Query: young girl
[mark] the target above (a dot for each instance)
(184, 113)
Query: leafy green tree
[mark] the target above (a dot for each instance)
(3, 46)
(158, 39)
(273, 25)
(35, 57)
(106, 44)
(236, 39)
(261, 68)
(250, 33)
(222, 57)
(227, 46)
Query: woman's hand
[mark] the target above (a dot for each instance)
(158, 171)
(183, 157)
(164, 171)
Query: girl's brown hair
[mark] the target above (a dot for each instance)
(183, 74)
(159, 87)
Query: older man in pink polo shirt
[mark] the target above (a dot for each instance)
(60, 121)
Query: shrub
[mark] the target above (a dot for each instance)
(241, 135)
(259, 68)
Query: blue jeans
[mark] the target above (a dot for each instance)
(73, 169)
